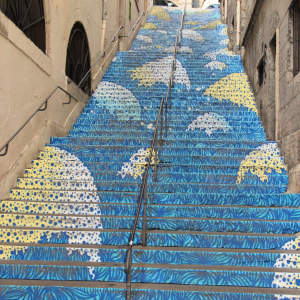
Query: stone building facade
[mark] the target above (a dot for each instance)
(266, 34)
(30, 73)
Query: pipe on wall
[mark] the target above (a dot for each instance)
(104, 24)
(238, 24)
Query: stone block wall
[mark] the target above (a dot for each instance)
(266, 42)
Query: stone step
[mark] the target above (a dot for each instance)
(209, 168)
(233, 129)
(164, 160)
(128, 109)
(172, 114)
(171, 122)
(153, 255)
(153, 223)
(158, 187)
(264, 200)
(195, 135)
(54, 153)
(162, 238)
(144, 291)
(191, 103)
(205, 143)
(174, 211)
(149, 274)
(86, 177)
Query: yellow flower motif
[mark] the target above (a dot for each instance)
(160, 13)
(158, 47)
(264, 159)
(149, 26)
(138, 163)
(192, 23)
(144, 75)
(211, 25)
(234, 88)
(205, 11)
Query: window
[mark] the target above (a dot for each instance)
(29, 17)
(78, 58)
(296, 38)
(273, 47)
(261, 72)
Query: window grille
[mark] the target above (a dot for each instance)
(78, 57)
(28, 16)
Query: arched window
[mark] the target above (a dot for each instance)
(28, 16)
(78, 57)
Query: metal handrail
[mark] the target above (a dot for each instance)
(137, 21)
(182, 21)
(143, 195)
(45, 102)
(5, 146)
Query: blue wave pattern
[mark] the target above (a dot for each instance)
(118, 238)
(146, 256)
(67, 293)
(221, 184)
(145, 275)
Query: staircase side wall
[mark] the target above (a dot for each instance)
(28, 75)
(266, 38)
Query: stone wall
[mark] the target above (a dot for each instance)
(28, 75)
(266, 41)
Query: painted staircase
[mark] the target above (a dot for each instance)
(219, 224)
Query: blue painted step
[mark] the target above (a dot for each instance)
(77, 293)
(175, 276)
(287, 200)
(176, 257)
(177, 211)
(158, 187)
(171, 224)
(170, 239)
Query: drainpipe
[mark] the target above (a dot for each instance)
(226, 7)
(238, 24)
(104, 22)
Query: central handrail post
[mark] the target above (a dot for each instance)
(173, 75)
(170, 95)
(128, 271)
(155, 159)
(144, 241)
(166, 116)
(161, 123)
(163, 119)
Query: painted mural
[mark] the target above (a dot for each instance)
(221, 183)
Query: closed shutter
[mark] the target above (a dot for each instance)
(296, 40)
